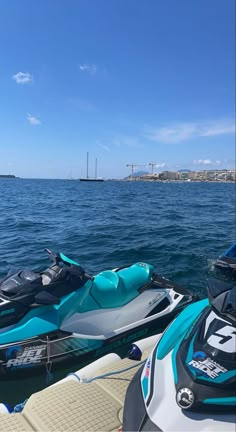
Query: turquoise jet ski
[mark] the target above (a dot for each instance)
(188, 382)
(62, 314)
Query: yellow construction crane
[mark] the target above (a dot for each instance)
(133, 166)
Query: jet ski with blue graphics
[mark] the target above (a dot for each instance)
(188, 383)
(227, 261)
(63, 314)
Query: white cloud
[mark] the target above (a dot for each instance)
(221, 128)
(126, 140)
(157, 166)
(104, 147)
(90, 68)
(33, 120)
(171, 134)
(23, 78)
(206, 162)
(179, 132)
(160, 165)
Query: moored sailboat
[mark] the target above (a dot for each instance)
(95, 178)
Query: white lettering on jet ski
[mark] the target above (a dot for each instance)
(224, 339)
(29, 355)
(211, 317)
(155, 299)
(209, 367)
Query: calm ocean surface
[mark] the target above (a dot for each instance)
(180, 228)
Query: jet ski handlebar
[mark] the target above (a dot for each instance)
(56, 258)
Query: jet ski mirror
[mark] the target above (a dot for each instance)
(46, 298)
(54, 257)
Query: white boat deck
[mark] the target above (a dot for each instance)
(75, 406)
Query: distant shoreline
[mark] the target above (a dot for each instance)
(177, 181)
(127, 179)
(7, 176)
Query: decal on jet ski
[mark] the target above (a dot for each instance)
(185, 398)
(7, 311)
(147, 369)
(199, 355)
(119, 343)
(145, 377)
(211, 317)
(156, 298)
(24, 356)
(222, 338)
(206, 365)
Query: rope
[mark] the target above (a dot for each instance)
(49, 376)
(89, 380)
(19, 407)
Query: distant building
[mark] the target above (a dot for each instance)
(169, 175)
(187, 175)
(154, 176)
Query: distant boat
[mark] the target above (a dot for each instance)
(95, 178)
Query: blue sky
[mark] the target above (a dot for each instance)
(129, 81)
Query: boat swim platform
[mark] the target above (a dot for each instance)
(76, 406)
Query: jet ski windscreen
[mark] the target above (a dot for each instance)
(231, 252)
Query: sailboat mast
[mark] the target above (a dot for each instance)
(87, 163)
(90, 179)
(96, 163)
